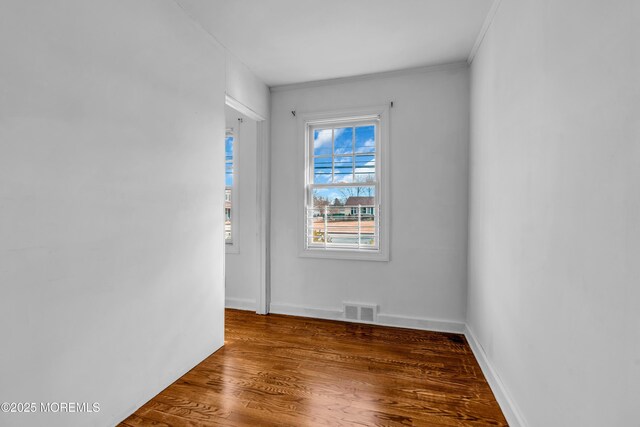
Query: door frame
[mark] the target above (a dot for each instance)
(263, 187)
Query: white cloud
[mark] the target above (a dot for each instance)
(343, 178)
(366, 167)
(324, 138)
(369, 143)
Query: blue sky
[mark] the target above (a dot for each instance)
(364, 140)
(338, 150)
(228, 152)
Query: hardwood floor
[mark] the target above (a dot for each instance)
(291, 371)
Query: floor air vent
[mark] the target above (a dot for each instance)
(367, 313)
(351, 312)
(363, 312)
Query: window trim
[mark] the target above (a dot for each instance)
(335, 117)
(233, 247)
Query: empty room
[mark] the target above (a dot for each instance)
(320, 213)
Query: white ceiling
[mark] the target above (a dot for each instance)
(292, 41)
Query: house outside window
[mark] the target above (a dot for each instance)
(365, 205)
(345, 184)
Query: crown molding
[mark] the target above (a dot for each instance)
(488, 21)
(364, 77)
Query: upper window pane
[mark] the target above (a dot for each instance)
(366, 139)
(229, 143)
(322, 168)
(228, 164)
(343, 143)
(322, 142)
(365, 168)
(343, 169)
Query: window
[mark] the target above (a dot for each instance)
(344, 185)
(230, 190)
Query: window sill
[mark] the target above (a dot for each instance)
(345, 254)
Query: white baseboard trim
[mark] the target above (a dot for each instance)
(298, 310)
(420, 323)
(392, 320)
(240, 303)
(509, 408)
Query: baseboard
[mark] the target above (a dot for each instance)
(420, 323)
(383, 319)
(297, 310)
(240, 303)
(509, 408)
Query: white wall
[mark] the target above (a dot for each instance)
(242, 268)
(426, 277)
(554, 291)
(241, 83)
(111, 192)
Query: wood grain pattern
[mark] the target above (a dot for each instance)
(280, 370)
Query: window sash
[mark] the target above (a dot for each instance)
(230, 169)
(311, 157)
(314, 241)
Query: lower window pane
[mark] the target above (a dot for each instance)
(227, 215)
(343, 217)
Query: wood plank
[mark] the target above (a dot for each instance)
(281, 370)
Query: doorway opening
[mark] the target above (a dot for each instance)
(246, 209)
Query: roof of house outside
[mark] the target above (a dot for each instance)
(359, 200)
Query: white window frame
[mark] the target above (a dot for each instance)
(233, 247)
(305, 122)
